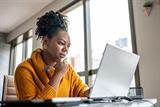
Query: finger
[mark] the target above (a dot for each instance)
(61, 60)
(65, 59)
(54, 64)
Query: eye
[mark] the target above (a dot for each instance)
(61, 43)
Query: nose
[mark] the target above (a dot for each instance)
(65, 49)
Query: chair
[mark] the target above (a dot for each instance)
(9, 90)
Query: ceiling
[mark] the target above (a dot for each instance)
(15, 12)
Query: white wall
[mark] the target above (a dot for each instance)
(148, 44)
(31, 23)
(4, 60)
(4, 54)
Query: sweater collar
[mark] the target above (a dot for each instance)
(39, 65)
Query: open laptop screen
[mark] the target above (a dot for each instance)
(115, 73)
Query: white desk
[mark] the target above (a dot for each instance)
(38, 103)
(136, 103)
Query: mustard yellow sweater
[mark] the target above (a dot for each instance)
(32, 82)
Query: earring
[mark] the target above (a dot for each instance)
(44, 47)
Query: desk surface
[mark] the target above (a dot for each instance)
(121, 104)
(136, 103)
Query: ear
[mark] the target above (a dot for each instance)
(45, 41)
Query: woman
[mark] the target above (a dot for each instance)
(46, 74)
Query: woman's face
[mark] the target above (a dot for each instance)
(58, 45)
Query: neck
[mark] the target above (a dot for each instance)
(49, 61)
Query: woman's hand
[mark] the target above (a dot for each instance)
(87, 92)
(61, 69)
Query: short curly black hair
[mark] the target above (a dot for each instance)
(50, 23)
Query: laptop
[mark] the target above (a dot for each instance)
(115, 73)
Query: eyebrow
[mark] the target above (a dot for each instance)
(65, 41)
(62, 40)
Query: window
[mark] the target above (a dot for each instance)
(109, 24)
(29, 47)
(29, 43)
(83, 78)
(18, 55)
(75, 29)
(21, 48)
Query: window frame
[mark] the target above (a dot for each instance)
(133, 39)
(25, 36)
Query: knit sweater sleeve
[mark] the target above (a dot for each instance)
(26, 87)
(78, 86)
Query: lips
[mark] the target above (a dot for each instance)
(62, 55)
